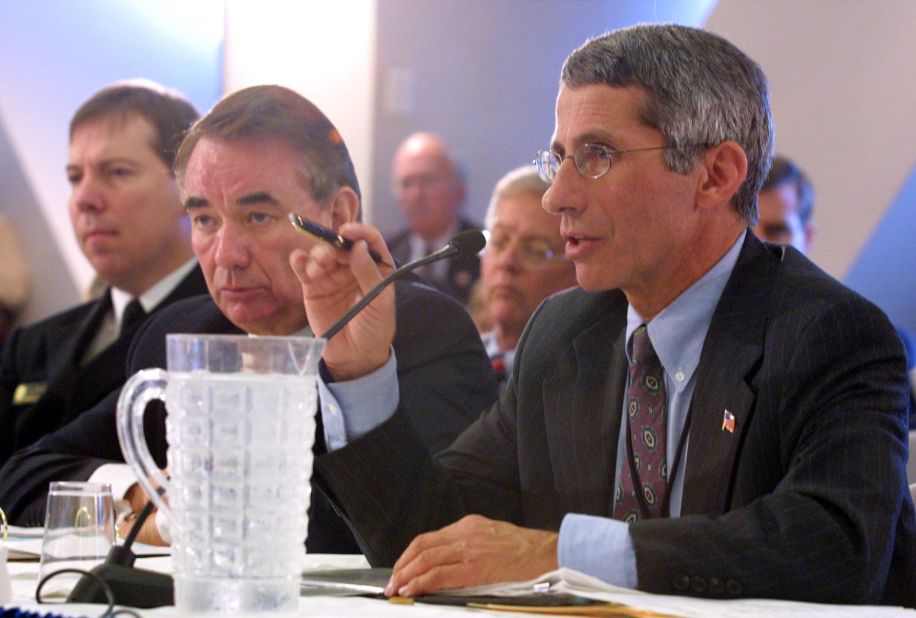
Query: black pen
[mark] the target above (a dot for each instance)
(328, 235)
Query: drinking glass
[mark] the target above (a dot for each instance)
(79, 530)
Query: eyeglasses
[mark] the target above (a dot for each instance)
(592, 160)
(532, 253)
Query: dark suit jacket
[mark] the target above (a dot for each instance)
(806, 499)
(463, 270)
(444, 379)
(49, 353)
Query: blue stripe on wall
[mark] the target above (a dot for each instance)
(885, 271)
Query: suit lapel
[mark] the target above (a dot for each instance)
(74, 346)
(582, 407)
(81, 386)
(72, 388)
(730, 356)
(61, 377)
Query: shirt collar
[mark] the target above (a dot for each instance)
(153, 296)
(678, 331)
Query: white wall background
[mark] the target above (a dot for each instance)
(325, 51)
(484, 74)
(54, 55)
(843, 80)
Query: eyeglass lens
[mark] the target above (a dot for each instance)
(591, 160)
(531, 252)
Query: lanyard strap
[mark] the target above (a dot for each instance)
(672, 470)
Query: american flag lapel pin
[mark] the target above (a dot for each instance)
(728, 422)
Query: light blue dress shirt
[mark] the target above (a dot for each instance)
(349, 410)
(677, 334)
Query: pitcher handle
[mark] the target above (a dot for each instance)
(142, 388)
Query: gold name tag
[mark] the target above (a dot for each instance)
(29, 393)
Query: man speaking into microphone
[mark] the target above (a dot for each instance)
(705, 415)
(260, 154)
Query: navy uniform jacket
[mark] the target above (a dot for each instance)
(42, 385)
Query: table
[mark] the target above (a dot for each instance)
(24, 577)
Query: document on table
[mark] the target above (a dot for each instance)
(566, 589)
(575, 583)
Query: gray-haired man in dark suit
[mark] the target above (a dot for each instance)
(706, 415)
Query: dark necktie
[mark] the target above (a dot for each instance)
(644, 476)
(134, 314)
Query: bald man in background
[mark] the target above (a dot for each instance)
(430, 191)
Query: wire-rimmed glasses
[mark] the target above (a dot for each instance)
(533, 253)
(592, 160)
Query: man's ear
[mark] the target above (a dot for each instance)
(810, 230)
(344, 207)
(724, 169)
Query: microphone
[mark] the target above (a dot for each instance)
(468, 242)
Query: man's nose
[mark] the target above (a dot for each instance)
(231, 249)
(88, 193)
(566, 191)
(507, 256)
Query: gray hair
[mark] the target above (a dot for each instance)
(278, 113)
(702, 91)
(523, 179)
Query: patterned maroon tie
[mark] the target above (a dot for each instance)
(646, 466)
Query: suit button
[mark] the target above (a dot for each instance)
(734, 587)
(681, 582)
(698, 585)
(716, 586)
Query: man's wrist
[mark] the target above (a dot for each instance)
(349, 370)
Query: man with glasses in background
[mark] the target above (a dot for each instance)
(522, 265)
(704, 415)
